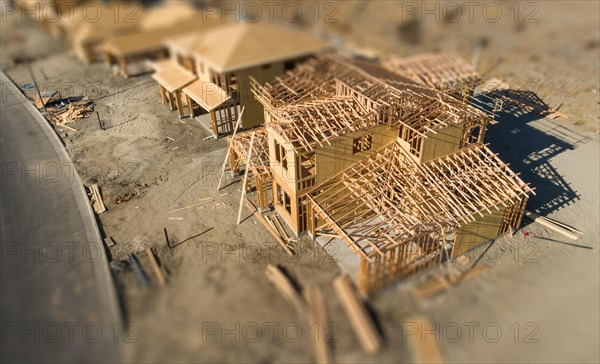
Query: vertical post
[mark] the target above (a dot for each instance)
(178, 103)
(245, 177)
(190, 105)
(99, 121)
(166, 237)
(36, 86)
(227, 155)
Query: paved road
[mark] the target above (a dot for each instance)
(56, 300)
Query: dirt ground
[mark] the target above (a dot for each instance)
(538, 302)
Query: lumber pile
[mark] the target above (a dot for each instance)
(74, 111)
(554, 225)
(96, 199)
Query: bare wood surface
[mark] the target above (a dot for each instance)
(317, 315)
(285, 287)
(160, 278)
(360, 319)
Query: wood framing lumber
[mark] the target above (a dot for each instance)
(360, 319)
(66, 127)
(160, 278)
(317, 315)
(285, 287)
(245, 180)
(97, 202)
(425, 348)
(109, 241)
(554, 225)
(237, 125)
(203, 201)
(261, 218)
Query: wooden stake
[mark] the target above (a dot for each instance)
(237, 124)
(160, 278)
(362, 323)
(245, 178)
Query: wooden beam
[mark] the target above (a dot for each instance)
(285, 287)
(237, 124)
(317, 315)
(362, 323)
(160, 278)
(245, 180)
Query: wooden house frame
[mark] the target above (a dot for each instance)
(411, 183)
(260, 174)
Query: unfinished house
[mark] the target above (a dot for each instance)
(222, 60)
(93, 22)
(392, 171)
(132, 52)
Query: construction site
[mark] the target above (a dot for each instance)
(358, 181)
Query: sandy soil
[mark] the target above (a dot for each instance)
(546, 284)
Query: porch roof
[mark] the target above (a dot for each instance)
(174, 77)
(207, 94)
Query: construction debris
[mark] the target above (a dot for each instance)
(557, 226)
(67, 111)
(96, 199)
(47, 97)
(109, 241)
(362, 323)
(270, 228)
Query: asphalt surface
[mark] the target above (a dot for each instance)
(57, 302)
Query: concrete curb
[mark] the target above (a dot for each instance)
(102, 272)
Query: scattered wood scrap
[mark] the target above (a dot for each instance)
(360, 319)
(109, 241)
(74, 111)
(96, 198)
(557, 226)
(285, 287)
(160, 278)
(317, 315)
(269, 227)
(426, 349)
